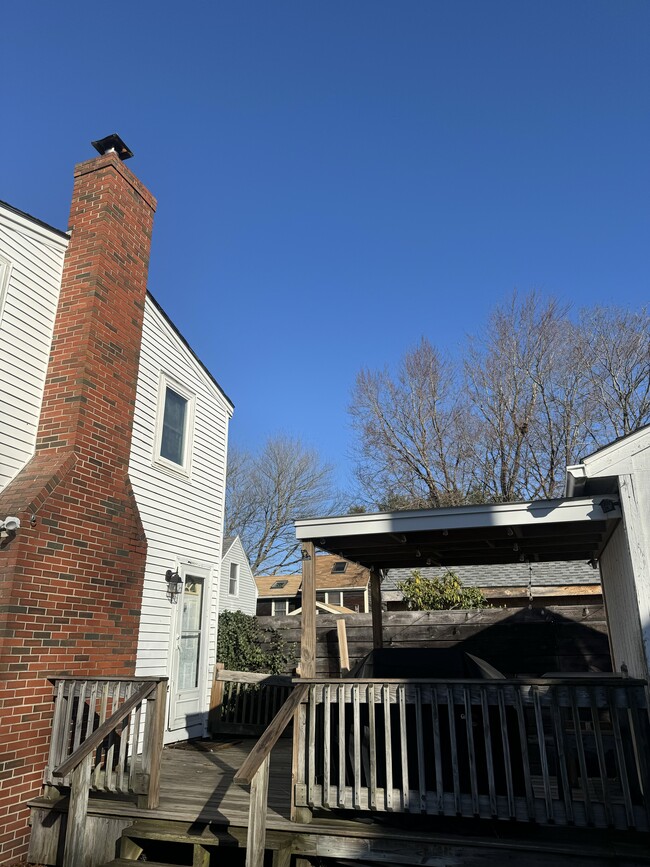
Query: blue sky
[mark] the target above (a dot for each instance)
(337, 178)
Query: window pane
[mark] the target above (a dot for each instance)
(234, 575)
(173, 434)
(188, 675)
(280, 607)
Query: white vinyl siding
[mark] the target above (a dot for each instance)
(246, 598)
(182, 515)
(31, 264)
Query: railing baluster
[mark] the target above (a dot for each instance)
(327, 735)
(56, 742)
(388, 749)
(641, 744)
(101, 749)
(406, 799)
(523, 741)
(109, 783)
(77, 723)
(469, 726)
(487, 739)
(584, 780)
(67, 725)
(422, 784)
(135, 742)
(600, 752)
(620, 756)
(356, 747)
(311, 754)
(341, 739)
(437, 752)
(561, 754)
(372, 736)
(451, 711)
(124, 739)
(505, 743)
(543, 758)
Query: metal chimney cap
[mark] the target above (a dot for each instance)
(112, 143)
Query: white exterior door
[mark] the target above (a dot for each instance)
(190, 640)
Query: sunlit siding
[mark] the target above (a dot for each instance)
(182, 517)
(31, 262)
(246, 598)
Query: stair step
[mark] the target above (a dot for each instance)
(151, 829)
(127, 862)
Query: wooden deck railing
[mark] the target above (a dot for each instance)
(244, 702)
(565, 752)
(98, 744)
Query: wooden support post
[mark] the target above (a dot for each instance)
(256, 836)
(282, 857)
(375, 604)
(308, 635)
(154, 729)
(344, 659)
(76, 842)
(216, 699)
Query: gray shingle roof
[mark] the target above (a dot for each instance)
(507, 574)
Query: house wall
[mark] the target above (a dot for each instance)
(625, 569)
(31, 262)
(246, 598)
(621, 602)
(182, 516)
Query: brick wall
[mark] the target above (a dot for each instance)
(71, 580)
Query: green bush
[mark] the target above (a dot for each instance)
(242, 645)
(439, 593)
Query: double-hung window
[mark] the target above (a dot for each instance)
(233, 583)
(174, 428)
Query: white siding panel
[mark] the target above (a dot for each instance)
(619, 591)
(182, 516)
(27, 317)
(246, 598)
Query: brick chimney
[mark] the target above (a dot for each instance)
(71, 580)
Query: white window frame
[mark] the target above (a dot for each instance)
(235, 579)
(5, 272)
(286, 607)
(184, 469)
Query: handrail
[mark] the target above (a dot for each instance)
(269, 738)
(93, 740)
(612, 680)
(253, 677)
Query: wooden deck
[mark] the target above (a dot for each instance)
(200, 803)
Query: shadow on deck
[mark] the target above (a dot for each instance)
(200, 804)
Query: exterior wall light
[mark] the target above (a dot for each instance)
(174, 585)
(10, 524)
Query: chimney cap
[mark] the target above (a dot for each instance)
(112, 143)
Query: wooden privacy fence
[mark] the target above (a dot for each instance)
(244, 702)
(99, 743)
(547, 751)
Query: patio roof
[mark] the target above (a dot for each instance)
(565, 529)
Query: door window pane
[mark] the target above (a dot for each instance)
(190, 650)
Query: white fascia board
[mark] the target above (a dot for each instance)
(612, 459)
(456, 518)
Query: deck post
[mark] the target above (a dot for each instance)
(154, 729)
(216, 699)
(256, 835)
(76, 842)
(308, 628)
(375, 605)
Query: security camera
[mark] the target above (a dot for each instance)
(10, 524)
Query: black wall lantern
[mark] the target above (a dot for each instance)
(174, 584)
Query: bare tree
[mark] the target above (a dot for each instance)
(412, 432)
(527, 392)
(266, 491)
(537, 392)
(615, 352)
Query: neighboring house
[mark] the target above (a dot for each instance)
(114, 439)
(238, 590)
(340, 586)
(511, 584)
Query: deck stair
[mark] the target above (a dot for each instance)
(179, 836)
